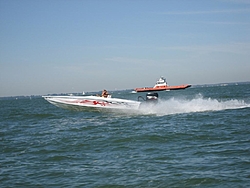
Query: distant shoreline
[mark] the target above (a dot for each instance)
(94, 92)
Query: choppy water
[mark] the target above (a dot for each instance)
(198, 137)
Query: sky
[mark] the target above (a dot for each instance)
(71, 46)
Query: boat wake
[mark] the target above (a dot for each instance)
(199, 104)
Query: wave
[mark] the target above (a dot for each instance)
(198, 104)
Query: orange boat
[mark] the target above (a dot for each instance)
(161, 85)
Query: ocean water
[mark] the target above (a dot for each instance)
(198, 137)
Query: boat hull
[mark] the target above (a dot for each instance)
(162, 88)
(94, 102)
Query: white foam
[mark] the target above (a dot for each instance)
(198, 104)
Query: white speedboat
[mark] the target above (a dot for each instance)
(96, 102)
(78, 102)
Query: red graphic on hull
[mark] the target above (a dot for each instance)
(90, 102)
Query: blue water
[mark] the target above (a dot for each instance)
(198, 137)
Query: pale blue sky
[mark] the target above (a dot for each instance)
(58, 46)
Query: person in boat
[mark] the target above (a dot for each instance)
(105, 93)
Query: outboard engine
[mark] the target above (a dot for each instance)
(152, 97)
